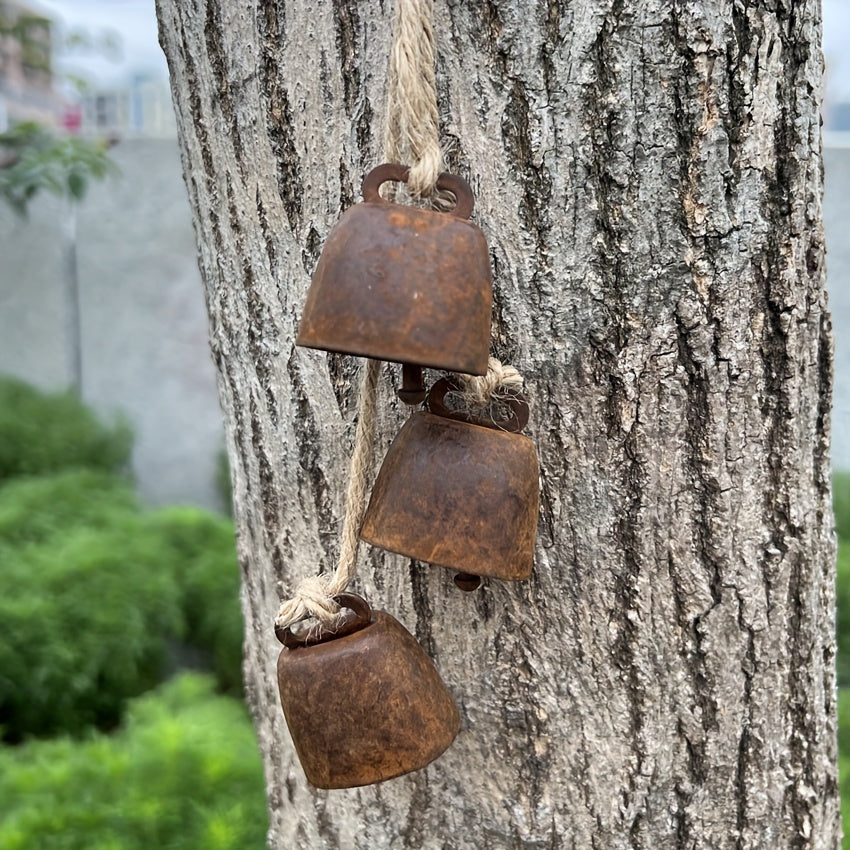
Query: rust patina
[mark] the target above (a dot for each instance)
(403, 284)
(459, 491)
(362, 699)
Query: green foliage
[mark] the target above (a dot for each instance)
(844, 721)
(841, 504)
(87, 619)
(842, 615)
(32, 510)
(96, 597)
(79, 559)
(45, 432)
(203, 550)
(223, 486)
(100, 596)
(844, 760)
(185, 773)
(32, 160)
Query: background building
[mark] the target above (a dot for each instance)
(140, 108)
(26, 67)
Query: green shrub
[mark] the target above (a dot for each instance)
(95, 593)
(184, 773)
(87, 620)
(841, 504)
(842, 616)
(844, 786)
(32, 510)
(46, 432)
(844, 721)
(223, 486)
(844, 760)
(98, 596)
(204, 554)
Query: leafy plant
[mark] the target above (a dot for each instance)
(203, 551)
(844, 760)
(32, 510)
(33, 159)
(46, 432)
(184, 773)
(842, 618)
(841, 504)
(88, 620)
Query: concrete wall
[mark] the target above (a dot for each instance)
(143, 318)
(837, 217)
(144, 324)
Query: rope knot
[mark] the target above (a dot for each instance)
(312, 598)
(480, 391)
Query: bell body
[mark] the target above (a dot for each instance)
(366, 706)
(458, 495)
(402, 284)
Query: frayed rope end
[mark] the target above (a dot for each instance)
(478, 391)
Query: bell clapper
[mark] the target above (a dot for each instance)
(412, 384)
(467, 582)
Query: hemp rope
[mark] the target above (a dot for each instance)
(412, 136)
(413, 121)
(313, 596)
(478, 392)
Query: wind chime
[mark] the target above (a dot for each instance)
(459, 485)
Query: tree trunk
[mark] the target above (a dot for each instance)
(648, 176)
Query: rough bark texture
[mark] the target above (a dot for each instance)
(649, 178)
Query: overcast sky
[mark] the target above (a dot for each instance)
(836, 37)
(135, 22)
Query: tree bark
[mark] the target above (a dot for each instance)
(648, 176)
